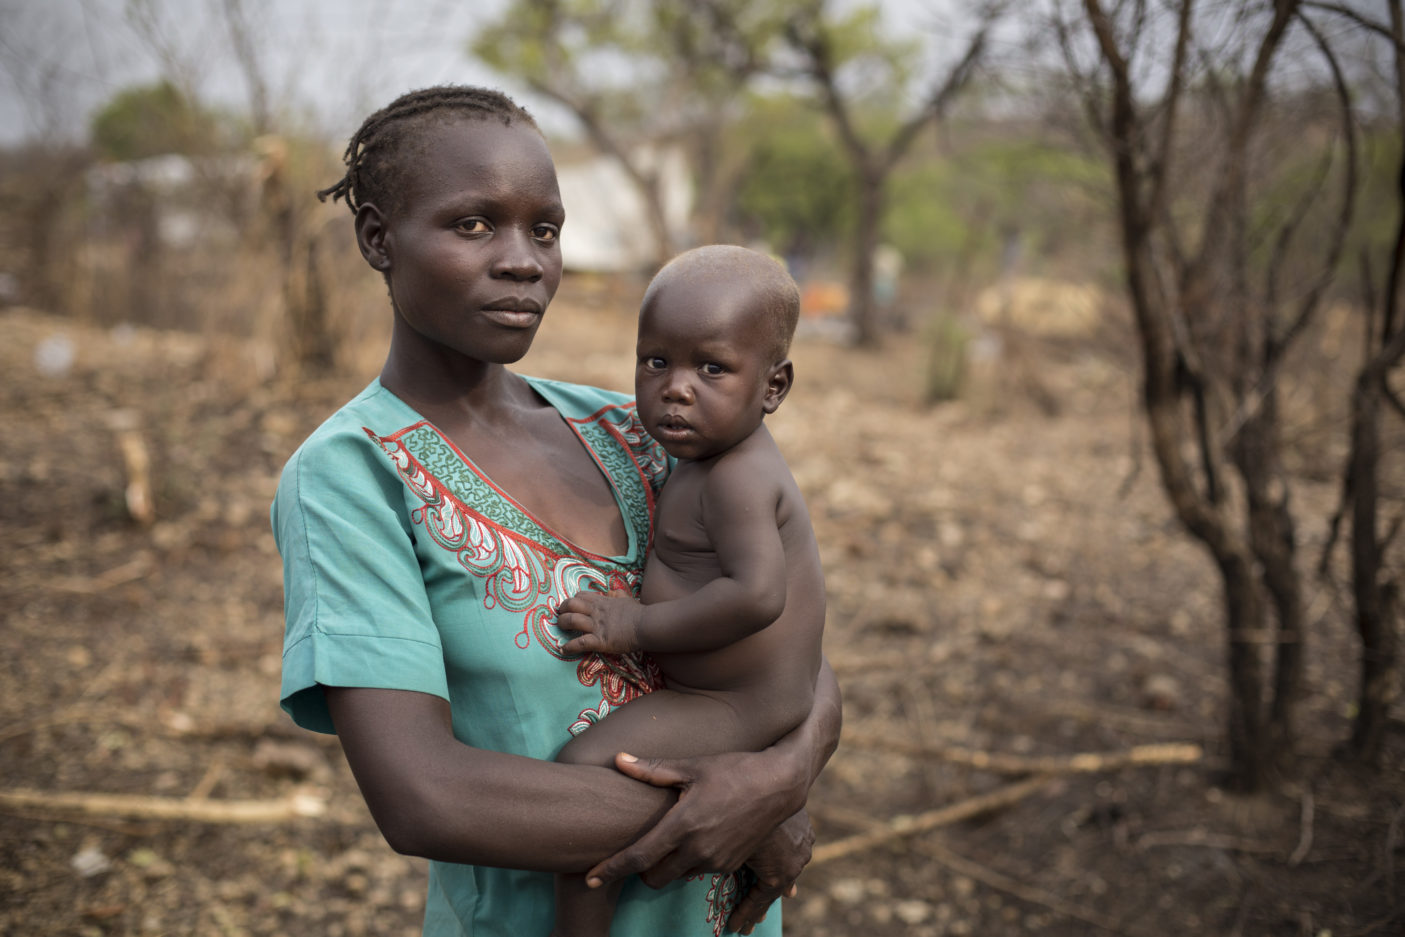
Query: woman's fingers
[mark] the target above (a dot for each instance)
(751, 910)
(650, 853)
(664, 853)
(660, 772)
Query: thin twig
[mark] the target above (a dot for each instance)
(1000, 882)
(140, 567)
(904, 827)
(1305, 834)
(1199, 837)
(139, 806)
(1171, 753)
(206, 784)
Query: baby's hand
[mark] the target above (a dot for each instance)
(609, 624)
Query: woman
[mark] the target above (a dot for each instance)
(429, 528)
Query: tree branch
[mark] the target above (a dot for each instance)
(1345, 212)
(1341, 9)
(1160, 168)
(944, 91)
(805, 31)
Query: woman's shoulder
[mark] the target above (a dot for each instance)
(350, 436)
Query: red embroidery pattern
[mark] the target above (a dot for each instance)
(519, 573)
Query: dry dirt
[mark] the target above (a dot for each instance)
(1002, 579)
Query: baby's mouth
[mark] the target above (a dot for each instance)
(672, 425)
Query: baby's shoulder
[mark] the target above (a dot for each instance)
(757, 471)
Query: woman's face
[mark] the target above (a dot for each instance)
(471, 254)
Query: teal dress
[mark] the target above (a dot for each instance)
(407, 568)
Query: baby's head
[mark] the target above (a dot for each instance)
(714, 330)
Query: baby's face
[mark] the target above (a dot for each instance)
(703, 373)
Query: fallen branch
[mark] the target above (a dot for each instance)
(136, 459)
(143, 565)
(970, 868)
(1130, 719)
(903, 827)
(197, 810)
(1305, 826)
(1200, 837)
(1028, 893)
(851, 665)
(1170, 753)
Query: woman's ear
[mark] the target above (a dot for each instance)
(372, 235)
(778, 384)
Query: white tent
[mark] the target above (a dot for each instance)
(607, 228)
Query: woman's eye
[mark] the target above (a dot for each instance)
(546, 232)
(472, 226)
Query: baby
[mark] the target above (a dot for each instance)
(732, 606)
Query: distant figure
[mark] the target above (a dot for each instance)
(733, 596)
(887, 274)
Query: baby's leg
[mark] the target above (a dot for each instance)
(662, 724)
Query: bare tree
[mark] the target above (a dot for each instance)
(825, 45)
(1375, 586)
(42, 179)
(1219, 297)
(639, 75)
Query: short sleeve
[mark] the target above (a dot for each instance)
(355, 608)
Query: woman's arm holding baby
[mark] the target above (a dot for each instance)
(675, 845)
(435, 797)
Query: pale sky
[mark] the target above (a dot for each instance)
(334, 60)
(60, 59)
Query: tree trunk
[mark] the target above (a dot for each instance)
(1271, 537)
(861, 305)
(1250, 748)
(1380, 680)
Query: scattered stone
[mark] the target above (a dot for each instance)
(848, 891)
(912, 912)
(90, 861)
(289, 759)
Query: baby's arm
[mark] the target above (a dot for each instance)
(739, 503)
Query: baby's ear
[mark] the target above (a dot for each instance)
(778, 384)
(371, 236)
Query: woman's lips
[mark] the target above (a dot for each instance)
(514, 312)
(513, 318)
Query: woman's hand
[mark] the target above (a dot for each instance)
(728, 807)
(776, 865)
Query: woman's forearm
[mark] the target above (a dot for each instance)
(809, 746)
(433, 796)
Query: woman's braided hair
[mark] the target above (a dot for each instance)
(374, 170)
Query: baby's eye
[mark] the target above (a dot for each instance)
(713, 368)
(547, 233)
(655, 363)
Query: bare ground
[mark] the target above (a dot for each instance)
(1003, 580)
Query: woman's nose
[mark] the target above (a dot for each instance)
(516, 260)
